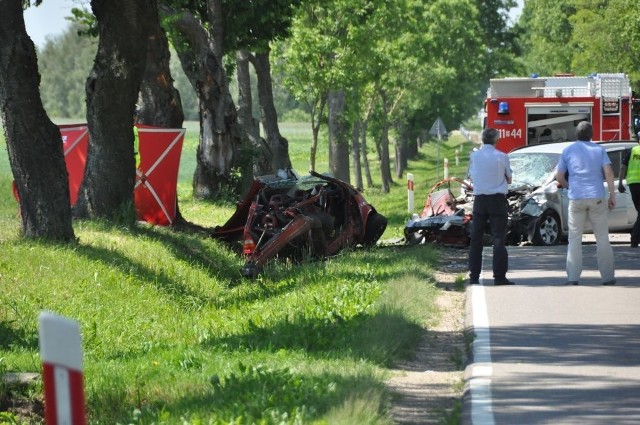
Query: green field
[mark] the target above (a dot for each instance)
(172, 334)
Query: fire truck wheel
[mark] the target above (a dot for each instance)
(547, 229)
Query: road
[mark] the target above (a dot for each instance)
(548, 353)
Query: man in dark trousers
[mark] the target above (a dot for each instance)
(490, 173)
(631, 170)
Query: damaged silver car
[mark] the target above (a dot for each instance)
(539, 208)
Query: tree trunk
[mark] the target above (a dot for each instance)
(278, 144)
(355, 154)
(262, 152)
(316, 118)
(33, 142)
(159, 101)
(338, 140)
(221, 138)
(363, 148)
(383, 148)
(397, 160)
(112, 90)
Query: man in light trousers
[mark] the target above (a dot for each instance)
(587, 165)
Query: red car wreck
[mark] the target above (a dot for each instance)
(287, 216)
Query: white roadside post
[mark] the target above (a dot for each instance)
(410, 192)
(457, 157)
(61, 355)
(446, 168)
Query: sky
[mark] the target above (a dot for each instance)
(47, 20)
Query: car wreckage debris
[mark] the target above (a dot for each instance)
(287, 216)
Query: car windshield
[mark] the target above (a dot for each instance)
(532, 169)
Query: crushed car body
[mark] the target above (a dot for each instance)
(538, 208)
(445, 218)
(288, 216)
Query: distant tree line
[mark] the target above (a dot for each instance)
(65, 60)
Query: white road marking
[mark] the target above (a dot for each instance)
(482, 369)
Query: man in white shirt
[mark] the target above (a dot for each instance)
(490, 173)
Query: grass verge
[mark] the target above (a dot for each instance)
(173, 334)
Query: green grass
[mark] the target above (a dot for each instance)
(172, 334)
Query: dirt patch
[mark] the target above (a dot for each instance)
(15, 398)
(429, 386)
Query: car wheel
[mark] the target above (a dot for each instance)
(413, 237)
(547, 229)
(376, 225)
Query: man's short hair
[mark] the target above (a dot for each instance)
(490, 136)
(584, 131)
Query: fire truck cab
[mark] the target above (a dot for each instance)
(535, 110)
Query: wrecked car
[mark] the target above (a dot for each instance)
(446, 216)
(288, 216)
(538, 208)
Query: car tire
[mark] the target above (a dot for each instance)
(376, 225)
(547, 229)
(413, 237)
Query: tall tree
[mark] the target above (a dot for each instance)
(112, 90)
(263, 154)
(606, 34)
(200, 36)
(546, 36)
(159, 101)
(64, 62)
(278, 144)
(253, 26)
(33, 141)
(338, 135)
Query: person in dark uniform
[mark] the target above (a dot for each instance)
(490, 173)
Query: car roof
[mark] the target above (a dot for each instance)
(559, 147)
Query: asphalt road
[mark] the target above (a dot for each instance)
(548, 353)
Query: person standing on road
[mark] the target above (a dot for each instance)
(631, 170)
(587, 165)
(490, 173)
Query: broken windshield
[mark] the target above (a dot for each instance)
(532, 169)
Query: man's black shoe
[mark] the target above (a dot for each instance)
(499, 282)
(474, 282)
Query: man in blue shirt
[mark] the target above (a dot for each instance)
(587, 165)
(490, 173)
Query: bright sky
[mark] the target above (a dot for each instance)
(47, 20)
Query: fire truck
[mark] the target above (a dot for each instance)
(534, 110)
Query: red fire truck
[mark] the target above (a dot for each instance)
(529, 111)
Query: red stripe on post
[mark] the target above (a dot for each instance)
(76, 390)
(61, 354)
(50, 410)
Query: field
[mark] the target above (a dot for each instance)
(173, 334)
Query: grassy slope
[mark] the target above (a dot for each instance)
(173, 334)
